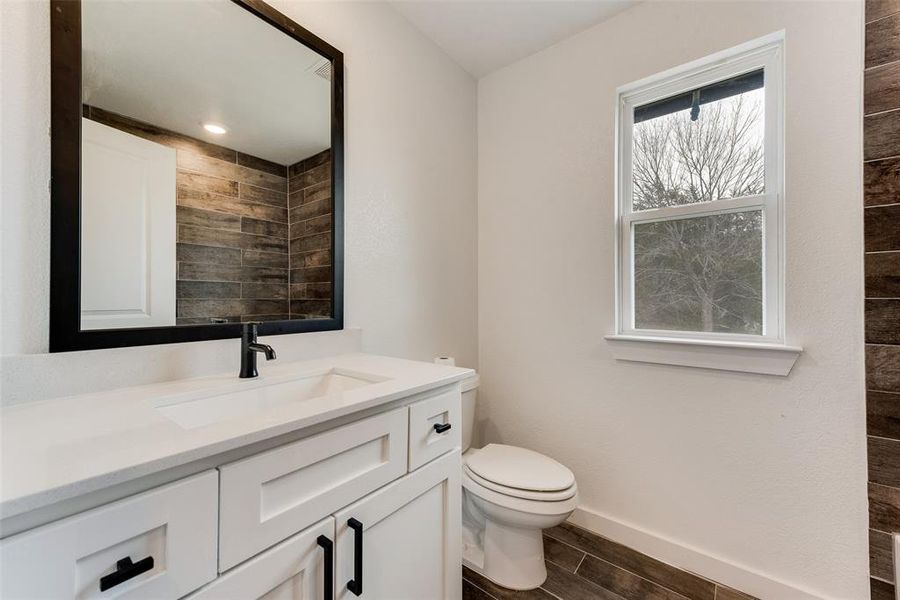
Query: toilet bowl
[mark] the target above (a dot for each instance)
(510, 495)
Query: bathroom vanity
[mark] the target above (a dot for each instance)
(197, 196)
(330, 478)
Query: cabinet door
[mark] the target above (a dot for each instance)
(410, 534)
(295, 569)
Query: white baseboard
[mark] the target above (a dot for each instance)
(690, 559)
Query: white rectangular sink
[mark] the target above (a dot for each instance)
(247, 397)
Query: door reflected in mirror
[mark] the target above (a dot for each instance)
(206, 168)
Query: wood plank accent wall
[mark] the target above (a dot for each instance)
(237, 249)
(881, 175)
(310, 212)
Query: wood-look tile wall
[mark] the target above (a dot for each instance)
(237, 248)
(881, 169)
(310, 214)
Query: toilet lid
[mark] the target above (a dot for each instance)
(514, 467)
(472, 482)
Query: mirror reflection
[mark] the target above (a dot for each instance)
(206, 191)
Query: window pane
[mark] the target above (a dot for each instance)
(718, 154)
(700, 274)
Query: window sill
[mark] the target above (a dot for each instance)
(743, 357)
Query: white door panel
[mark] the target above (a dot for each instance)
(411, 545)
(127, 230)
(295, 569)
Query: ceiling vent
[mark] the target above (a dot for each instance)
(323, 69)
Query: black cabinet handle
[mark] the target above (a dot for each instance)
(355, 584)
(125, 570)
(441, 428)
(328, 547)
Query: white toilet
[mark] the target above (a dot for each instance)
(510, 494)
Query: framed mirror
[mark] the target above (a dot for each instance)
(197, 173)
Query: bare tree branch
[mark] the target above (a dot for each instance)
(702, 273)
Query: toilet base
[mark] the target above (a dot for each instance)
(506, 545)
(513, 557)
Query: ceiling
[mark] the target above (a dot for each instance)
(177, 65)
(483, 36)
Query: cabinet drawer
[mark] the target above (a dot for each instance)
(425, 441)
(292, 570)
(174, 524)
(270, 496)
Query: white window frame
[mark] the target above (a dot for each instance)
(766, 53)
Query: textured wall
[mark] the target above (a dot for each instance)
(410, 193)
(881, 171)
(755, 481)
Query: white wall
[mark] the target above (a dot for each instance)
(749, 479)
(410, 205)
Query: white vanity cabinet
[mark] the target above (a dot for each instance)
(369, 508)
(399, 540)
(403, 544)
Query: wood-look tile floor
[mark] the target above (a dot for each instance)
(582, 565)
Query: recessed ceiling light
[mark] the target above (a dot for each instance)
(214, 128)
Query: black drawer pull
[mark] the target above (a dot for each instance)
(441, 428)
(328, 547)
(355, 584)
(125, 570)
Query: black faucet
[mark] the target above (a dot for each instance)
(249, 348)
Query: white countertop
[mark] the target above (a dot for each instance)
(59, 449)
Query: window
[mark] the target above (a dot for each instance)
(700, 192)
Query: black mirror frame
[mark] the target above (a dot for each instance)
(65, 195)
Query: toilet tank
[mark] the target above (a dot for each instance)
(469, 387)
